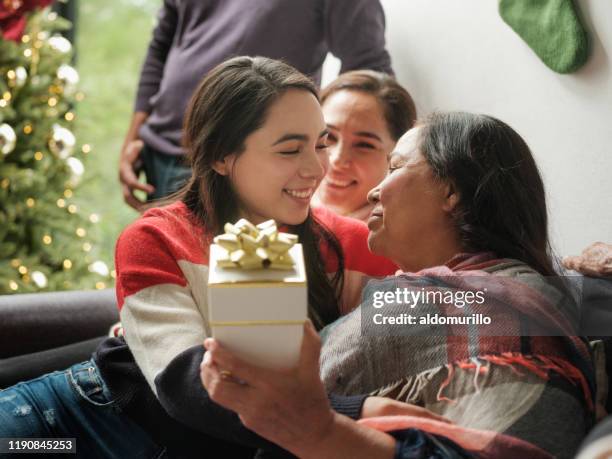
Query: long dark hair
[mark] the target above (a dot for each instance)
(230, 103)
(397, 104)
(502, 204)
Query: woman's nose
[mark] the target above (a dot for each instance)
(339, 155)
(314, 165)
(374, 195)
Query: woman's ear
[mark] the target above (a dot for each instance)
(223, 166)
(452, 198)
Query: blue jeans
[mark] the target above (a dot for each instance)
(167, 173)
(74, 403)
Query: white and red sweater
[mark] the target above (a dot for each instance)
(162, 271)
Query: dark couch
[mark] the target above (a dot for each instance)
(44, 332)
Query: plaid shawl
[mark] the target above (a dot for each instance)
(522, 386)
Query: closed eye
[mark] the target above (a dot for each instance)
(365, 145)
(289, 152)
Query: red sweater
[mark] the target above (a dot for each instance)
(162, 271)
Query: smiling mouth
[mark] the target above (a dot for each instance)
(339, 183)
(376, 213)
(304, 193)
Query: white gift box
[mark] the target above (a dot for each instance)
(259, 314)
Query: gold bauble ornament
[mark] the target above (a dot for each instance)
(8, 139)
(76, 171)
(60, 44)
(62, 141)
(69, 78)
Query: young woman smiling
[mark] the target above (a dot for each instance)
(366, 112)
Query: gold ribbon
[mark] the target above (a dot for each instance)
(254, 323)
(251, 246)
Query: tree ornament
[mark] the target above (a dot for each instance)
(60, 44)
(17, 77)
(76, 171)
(12, 5)
(13, 18)
(99, 267)
(62, 141)
(69, 77)
(8, 139)
(39, 279)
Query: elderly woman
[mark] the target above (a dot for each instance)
(462, 210)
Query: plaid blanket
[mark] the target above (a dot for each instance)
(520, 386)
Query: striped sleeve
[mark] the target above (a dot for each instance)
(161, 281)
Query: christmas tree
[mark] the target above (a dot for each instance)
(46, 239)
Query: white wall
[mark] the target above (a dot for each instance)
(460, 55)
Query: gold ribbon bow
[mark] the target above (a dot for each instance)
(253, 247)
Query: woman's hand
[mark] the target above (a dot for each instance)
(595, 260)
(381, 406)
(288, 407)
